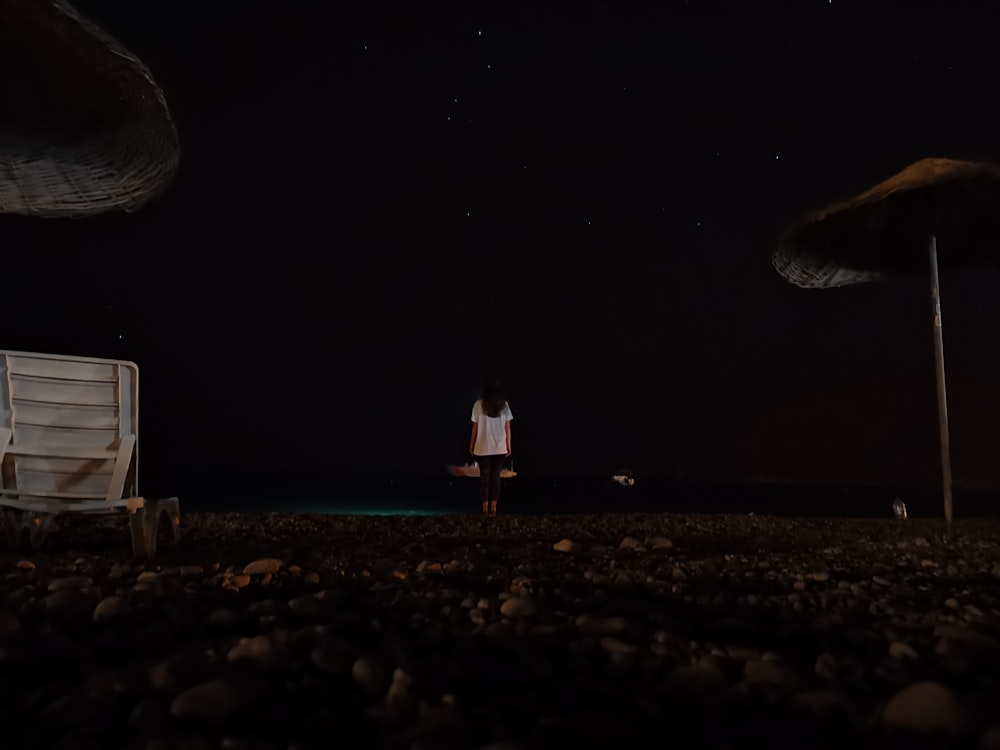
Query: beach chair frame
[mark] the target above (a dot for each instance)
(69, 444)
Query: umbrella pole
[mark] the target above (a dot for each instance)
(942, 393)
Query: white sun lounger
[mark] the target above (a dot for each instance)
(68, 444)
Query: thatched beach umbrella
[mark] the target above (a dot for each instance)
(84, 129)
(895, 229)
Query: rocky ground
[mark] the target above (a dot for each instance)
(280, 632)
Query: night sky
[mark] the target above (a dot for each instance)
(378, 205)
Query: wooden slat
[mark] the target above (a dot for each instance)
(63, 485)
(58, 465)
(65, 369)
(44, 503)
(63, 392)
(53, 451)
(65, 415)
(28, 437)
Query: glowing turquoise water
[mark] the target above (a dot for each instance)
(433, 497)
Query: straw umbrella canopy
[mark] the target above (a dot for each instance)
(84, 128)
(895, 230)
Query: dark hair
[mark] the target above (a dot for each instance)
(494, 399)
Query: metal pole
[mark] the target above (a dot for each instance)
(942, 392)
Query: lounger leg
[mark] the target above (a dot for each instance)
(9, 521)
(168, 511)
(137, 525)
(40, 526)
(144, 523)
(24, 526)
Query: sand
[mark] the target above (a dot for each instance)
(284, 631)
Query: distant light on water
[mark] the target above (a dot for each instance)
(339, 510)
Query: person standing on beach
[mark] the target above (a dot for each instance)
(490, 441)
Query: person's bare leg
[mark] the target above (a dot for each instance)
(484, 485)
(495, 483)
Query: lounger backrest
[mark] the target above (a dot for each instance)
(67, 416)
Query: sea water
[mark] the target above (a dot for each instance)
(553, 495)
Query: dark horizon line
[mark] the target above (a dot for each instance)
(825, 484)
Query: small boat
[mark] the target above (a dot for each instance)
(624, 478)
(472, 470)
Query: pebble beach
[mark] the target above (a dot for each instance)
(295, 632)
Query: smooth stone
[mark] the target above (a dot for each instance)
(25, 565)
(498, 630)
(990, 739)
(521, 585)
(223, 619)
(399, 701)
(120, 570)
(765, 671)
(699, 678)
(152, 586)
(218, 697)
(69, 599)
(826, 666)
(631, 543)
(260, 649)
(598, 626)
(369, 675)
(148, 715)
(71, 583)
(741, 653)
(177, 672)
(929, 707)
(900, 650)
(659, 542)
(519, 606)
(617, 646)
(265, 607)
(116, 681)
(111, 608)
(305, 606)
(566, 545)
(239, 581)
(332, 661)
(10, 626)
(262, 567)
(547, 630)
(971, 638)
(821, 702)
(185, 571)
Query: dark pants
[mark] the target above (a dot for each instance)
(489, 476)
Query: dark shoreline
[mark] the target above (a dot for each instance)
(530, 495)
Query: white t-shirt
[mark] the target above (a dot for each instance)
(491, 438)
